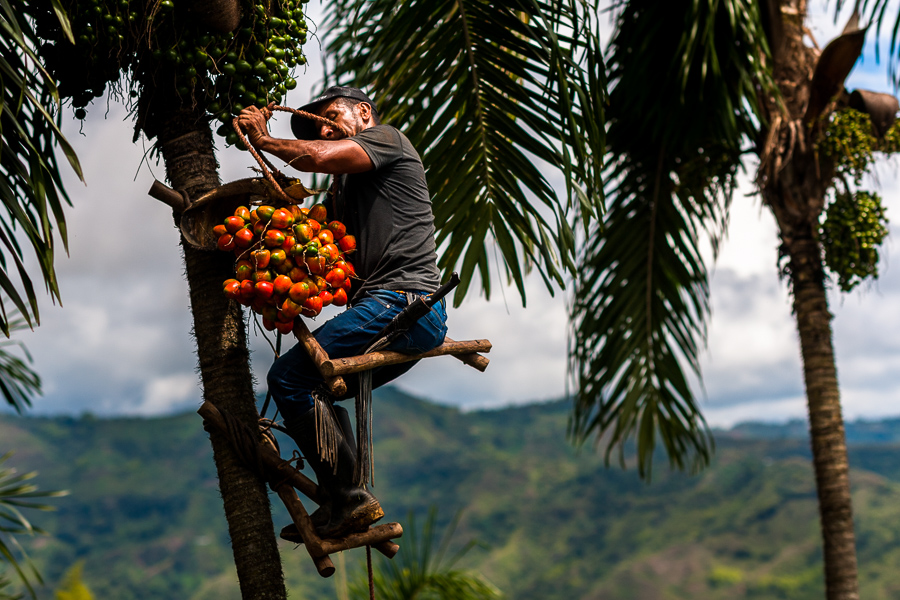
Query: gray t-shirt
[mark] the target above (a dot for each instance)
(388, 209)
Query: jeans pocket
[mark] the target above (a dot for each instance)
(386, 298)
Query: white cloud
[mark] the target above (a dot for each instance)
(122, 342)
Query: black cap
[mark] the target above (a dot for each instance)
(305, 129)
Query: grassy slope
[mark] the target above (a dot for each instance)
(145, 515)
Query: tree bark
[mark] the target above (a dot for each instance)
(794, 182)
(826, 425)
(185, 141)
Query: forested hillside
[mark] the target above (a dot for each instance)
(145, 517)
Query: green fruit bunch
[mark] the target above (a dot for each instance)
(163, 43)
(855, 226)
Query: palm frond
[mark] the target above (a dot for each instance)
(422, 570)
(31, 189)
(683, 89)
(499, 98)
(19, 383)
(18, 494)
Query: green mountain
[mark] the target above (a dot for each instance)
(145, 517)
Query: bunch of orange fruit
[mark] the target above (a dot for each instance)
(290, 262)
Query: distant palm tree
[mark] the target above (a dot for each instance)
(421, 570)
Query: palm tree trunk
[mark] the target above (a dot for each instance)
(826, 425)
(186, 144)
(794, 182)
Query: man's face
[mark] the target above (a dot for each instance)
(346, 116)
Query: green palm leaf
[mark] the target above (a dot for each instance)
(18, 494)
(684, 79)
(499, 98)
(422, 571)
(31, 189)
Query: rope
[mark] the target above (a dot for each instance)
(268, 169)
(369, 567)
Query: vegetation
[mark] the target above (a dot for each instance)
(31, 189)
(553, 522)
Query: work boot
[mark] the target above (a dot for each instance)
(352, 508)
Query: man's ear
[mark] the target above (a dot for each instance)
(365, 111)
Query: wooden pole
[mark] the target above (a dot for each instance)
(335, 367)
(474, 360)
(336, 385)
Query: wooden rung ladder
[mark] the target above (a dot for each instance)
(286, 480)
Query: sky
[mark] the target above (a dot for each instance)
(121, 342)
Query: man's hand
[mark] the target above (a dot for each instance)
(253, 121)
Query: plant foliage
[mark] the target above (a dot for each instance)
(31, 189)
(489, 93)
(18, 495)
(421, 570)
(684, 82)
(134, 47)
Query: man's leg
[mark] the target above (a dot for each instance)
(293, 380)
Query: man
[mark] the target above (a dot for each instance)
(382, 197)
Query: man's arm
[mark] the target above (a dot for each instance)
(317, 156)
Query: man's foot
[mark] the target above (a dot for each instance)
(351, 520)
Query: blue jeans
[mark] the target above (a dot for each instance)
(294, 375)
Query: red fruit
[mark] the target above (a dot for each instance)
(284, 327)
(297, 213)
(282, 284)
(346, 285)
(290, 310)
(248, 291)
(326, 297)
(299, 292)
(313, 288)
(219, 230)
(258, 305)
(260, 258)
(326, 237)
(297, 250)
(232, 289)
(338, 229)
(242, 212)
(285, 267)
(264, 289)
(282, 219)
(226, 242)
(346, 267)
(262, 275)
(347, 243)
(333, 252)
(243, 270)
(289, 242)
(232, 224)
(270, 311)
(318, 212)
(254, 217)
(314, 225)
(259, 228)
(265, 213)
(243, 238)
(297, 274)
(303, 232)
(335, 277)
(320, 283)
(313, 306)
(277, 257)
(274, 238)
(315, 264)
(339, 297)
(268, 324)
